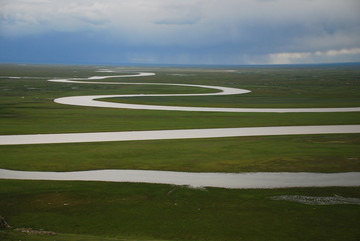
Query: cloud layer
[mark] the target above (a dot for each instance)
(181, 31)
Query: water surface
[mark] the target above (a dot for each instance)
(222, 180)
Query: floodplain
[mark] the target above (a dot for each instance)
(135, 211)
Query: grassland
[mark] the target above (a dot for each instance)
(271, 88)
(164, 212)
(27, 104)
(310, 153)
(125, 211)
(27, 107)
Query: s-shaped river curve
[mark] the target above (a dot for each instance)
(90, 100)
(227, 180)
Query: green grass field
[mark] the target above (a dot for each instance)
(310, 153)
(125, 211)
(164, 212)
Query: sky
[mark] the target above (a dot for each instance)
(214, 32)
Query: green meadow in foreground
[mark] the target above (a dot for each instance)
(139, 212)
(165, 212)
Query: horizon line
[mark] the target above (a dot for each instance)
(174, 65)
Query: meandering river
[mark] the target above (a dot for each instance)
(226, 180)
